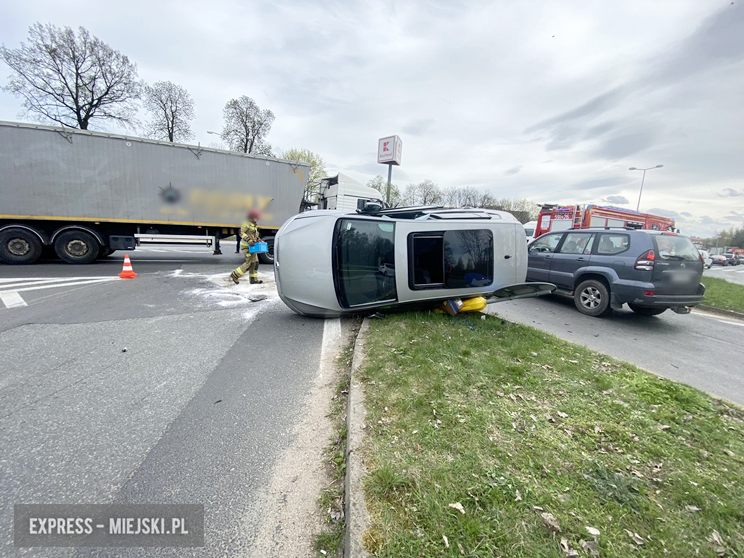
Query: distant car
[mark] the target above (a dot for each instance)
(330, 263)
(731, 258)
(707, 260)
(719, 259)
(602, 269)
(529, 229)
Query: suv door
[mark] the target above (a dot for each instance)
(678, 267)
(574, 253)
(611, 250)
(540, 256)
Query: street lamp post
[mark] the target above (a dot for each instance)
(643, 179)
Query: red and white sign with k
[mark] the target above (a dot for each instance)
(389, 150)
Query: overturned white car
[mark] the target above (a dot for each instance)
(330, 263)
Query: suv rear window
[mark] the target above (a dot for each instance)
(670, 247)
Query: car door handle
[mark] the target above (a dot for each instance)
(547, 257)
(580, 259)
(507, 257)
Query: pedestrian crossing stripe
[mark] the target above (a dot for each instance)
(11, 287)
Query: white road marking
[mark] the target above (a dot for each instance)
(12, 299)
(723, 321)
(71, 283)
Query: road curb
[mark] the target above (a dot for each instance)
(714, 310)
(356, 510)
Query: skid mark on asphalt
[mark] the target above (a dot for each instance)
(10, 288)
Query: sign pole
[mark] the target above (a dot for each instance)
(390, 176)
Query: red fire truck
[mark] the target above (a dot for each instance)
(561, 218)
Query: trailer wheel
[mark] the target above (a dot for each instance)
(76, 247)
(105, 253)
(268, 257)
(19, 246)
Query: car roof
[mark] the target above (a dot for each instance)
(621, 230)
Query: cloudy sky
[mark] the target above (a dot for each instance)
(552, 101)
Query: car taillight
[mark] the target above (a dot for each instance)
(645, 262)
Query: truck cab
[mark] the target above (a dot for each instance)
(344, 193)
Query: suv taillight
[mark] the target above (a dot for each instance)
(645, 261)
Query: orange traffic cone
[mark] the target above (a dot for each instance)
(127, 272)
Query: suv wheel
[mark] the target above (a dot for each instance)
(592, 298)
(646, 310)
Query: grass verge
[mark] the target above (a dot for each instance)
(487, 438)
(723, 294)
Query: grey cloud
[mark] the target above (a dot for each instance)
(730, 193)
(418, 127)
(626, 144)
(665, 213)
(513, 170)
(593, 107)
(617, 199)
(686, 214)
(706, 220)
(597, 183)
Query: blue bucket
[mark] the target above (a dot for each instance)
(258, 248)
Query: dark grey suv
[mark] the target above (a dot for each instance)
(603, 269)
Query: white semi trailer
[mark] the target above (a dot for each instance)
(86, 194)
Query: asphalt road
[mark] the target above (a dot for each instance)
(198, 408)
(700, 349)
(732, 273)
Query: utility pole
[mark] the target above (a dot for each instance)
(390, 176)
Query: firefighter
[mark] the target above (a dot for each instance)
(248, 236)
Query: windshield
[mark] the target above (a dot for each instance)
(365, 262)
(675, 248)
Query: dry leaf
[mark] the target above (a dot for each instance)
(500, 393)
(518, 497)
(574, 361)
(729, 452)
(638, 539)
(593, 531)
(533, 354)
(664, 427)
(717, 541)
(512, 397)
(598, 429)
(562, 415)
(692, 508)
(446, 541)
(550, 521)
(462, 550)
(550, 419)
(458, 506)
(564, 545)
(537, 508)
(591, 547)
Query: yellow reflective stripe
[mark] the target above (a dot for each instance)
(239, 272)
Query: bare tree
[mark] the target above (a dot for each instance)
(246, 126)
(380, 184)
(317, 169)
(171, 108)
(72, 79)
(423, 193)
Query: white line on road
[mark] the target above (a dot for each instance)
(11, 279)
(57, 285)
(722, 320)
(12, 299)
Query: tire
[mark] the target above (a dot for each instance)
(77, 247)
(105, 253)
(592, 298)
(19, 247)
(646, 310)
(268, 257)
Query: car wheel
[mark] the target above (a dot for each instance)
(592, 298)
(646, 310)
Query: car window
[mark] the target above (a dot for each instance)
(547, 243)
(610, 244)
(365, 260)
(671, 247)
(468, 258)
(577, 243)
